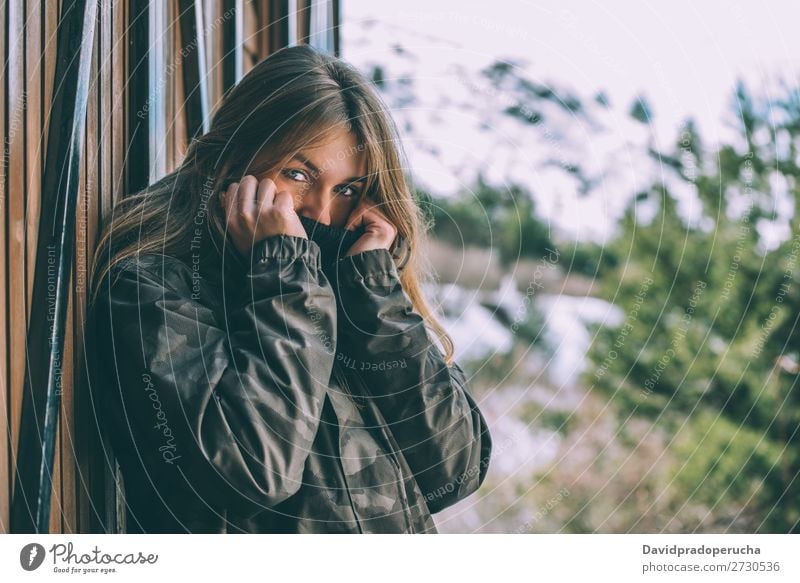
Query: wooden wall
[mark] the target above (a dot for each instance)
(116, 159)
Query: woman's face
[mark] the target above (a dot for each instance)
(326, 181)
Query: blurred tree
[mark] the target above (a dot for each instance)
(709, 348)
(587, 258)
(641, 110)
(485, 216)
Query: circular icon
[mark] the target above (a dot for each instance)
(31, 556)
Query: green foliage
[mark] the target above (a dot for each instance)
(722, 460)
(484, 216)
(711, 327)
(587, 258)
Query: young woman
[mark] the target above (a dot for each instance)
(263, 362)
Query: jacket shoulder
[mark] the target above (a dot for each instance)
(149, 261)
(167, 270)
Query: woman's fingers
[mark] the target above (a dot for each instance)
(284, 202)
(265, 194)
(371, 216)
(255, 210)
(355, 218)
(379, 231)
(247, 196)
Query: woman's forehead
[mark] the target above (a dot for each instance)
(342, 155)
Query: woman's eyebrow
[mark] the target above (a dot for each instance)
(313, 167)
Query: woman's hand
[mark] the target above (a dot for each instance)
(254, 211)
(379, 232)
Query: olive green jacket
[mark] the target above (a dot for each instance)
(279, 398)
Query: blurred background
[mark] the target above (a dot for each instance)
(613, 189)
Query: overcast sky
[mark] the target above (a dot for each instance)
(683, 55)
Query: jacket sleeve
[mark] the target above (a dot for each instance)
(227, 408)
(435, 421)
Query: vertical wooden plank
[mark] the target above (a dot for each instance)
(114, 105)
(64, 509)
(178, 119)
(5, 435)
(115, 518)
(216, 36)
(171, 58)
(262, 22)
(120, 123)
(17, 310)
(89, 463)
(55, 501)
(34, 152)
(50, 35)
(253, 34)
(303, 20)
(213, 21)
(105, 97)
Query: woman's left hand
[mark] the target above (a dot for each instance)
(379, 232)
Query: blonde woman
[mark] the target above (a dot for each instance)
(265, 358)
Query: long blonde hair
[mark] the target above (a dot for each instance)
(291, 99)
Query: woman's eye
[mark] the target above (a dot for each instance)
(347, 191)
(293, 173)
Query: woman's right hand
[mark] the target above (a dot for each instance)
(254, 211)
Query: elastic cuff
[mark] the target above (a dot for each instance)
(286, 248)
(365, 265)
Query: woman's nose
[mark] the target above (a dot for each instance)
(315, 205)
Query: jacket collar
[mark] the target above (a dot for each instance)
(218, 261)
(333, 241)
